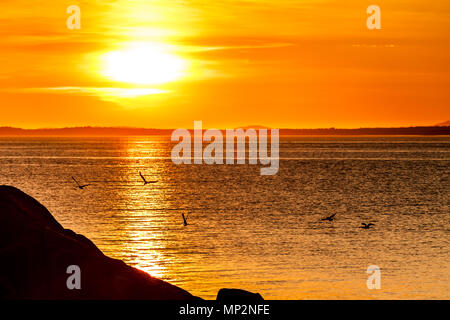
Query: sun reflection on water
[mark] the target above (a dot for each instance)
(145, 214)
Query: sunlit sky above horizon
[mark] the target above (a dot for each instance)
(284, 63)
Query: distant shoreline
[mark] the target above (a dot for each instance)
(120, 131)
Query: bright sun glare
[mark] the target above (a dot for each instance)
(143, 63)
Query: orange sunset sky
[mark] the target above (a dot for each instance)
(280, 63)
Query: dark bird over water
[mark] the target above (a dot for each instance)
(184, 220)
(80, 186)
(366, 226)
(330, 218)
(145, 181)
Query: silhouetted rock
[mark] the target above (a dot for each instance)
(35, 251)
(225, 295)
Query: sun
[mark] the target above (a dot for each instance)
(143, 63)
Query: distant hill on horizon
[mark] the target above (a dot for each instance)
(443, 124)
(125, 131)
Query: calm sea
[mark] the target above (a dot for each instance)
(260, 233)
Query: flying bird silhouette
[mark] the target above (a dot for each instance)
(330, 218)
(145, 181)
(366, 226)
(184, 220)
(80, 186)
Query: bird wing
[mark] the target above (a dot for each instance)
(76, 181)
(143, 178)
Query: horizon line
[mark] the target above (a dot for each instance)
(8, 131)
(83, 127)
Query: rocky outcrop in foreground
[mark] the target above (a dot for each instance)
(35, 252)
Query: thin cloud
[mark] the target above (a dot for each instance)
(93, 91)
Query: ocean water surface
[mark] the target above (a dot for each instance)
(259, 233)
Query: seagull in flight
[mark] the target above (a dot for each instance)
(366, 226)
(330, 218)
(145, 181)
(184, 220)
(81, 187)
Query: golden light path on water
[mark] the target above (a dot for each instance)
(146, 250)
